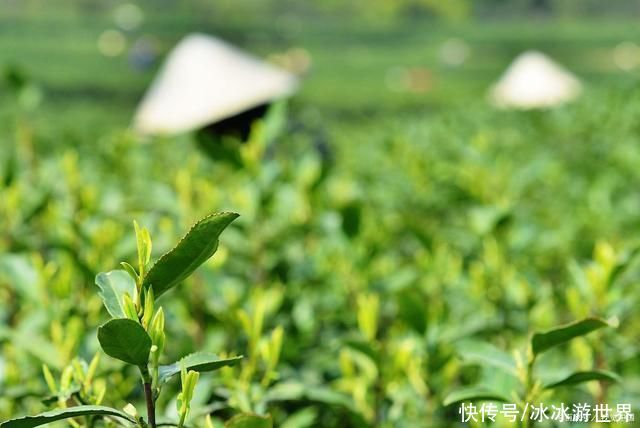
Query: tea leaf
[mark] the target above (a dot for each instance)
(125, 340)
(485, 354)
(198, 362)
(586, 376)
(196, 247)
(113, 285)
(541, 342)
(57, 415)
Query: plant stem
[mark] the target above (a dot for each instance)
(527, 423)
(183, 416)
(148, 395)
(151, 411)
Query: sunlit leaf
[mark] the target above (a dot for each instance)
(199, 362)
(196, 247)
(113, 285)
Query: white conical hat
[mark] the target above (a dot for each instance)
(533, 80)
(205, 80)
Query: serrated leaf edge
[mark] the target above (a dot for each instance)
(196, 224)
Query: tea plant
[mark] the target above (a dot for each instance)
(136, 336)
(514, 379)
(356, 283)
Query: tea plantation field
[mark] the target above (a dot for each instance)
(401, 247)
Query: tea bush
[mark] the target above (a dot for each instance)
(374, 284)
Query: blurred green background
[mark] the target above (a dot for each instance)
(361, 53)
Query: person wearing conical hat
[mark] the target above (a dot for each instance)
(206, 83)
(533, 80)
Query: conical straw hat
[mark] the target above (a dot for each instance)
(533, 80)
(205, 80)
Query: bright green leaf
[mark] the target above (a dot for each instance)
(131, 271)
(304, 418)
(196, 247)
(198, 362)
(474, 393)
(541, 342)
(113, 285)
(125, 340)
(57, 415)
(246, 420)
(586, 376)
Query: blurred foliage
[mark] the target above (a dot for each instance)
(346, 286)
